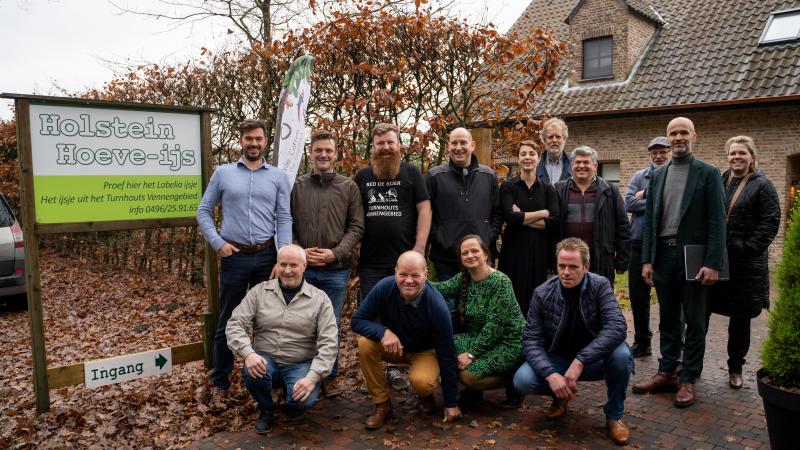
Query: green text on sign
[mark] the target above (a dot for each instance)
(91, 198)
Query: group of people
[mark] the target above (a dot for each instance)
(546, 318)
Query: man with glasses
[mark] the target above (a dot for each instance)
(635, 204)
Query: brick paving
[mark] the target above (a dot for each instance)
(722, 418)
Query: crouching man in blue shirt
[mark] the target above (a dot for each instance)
(405, 320)
(576, 331)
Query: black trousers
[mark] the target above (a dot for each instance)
(676, 295)
(738, 342)
(639, 292)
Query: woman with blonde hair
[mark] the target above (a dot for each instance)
(753, 217)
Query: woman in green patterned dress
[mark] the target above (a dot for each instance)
(490, 345)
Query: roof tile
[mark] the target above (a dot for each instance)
(697, 57)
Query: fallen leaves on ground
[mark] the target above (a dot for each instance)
(93, 312)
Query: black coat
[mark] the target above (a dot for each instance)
(611, 248)
(462, 204)
(752, 226)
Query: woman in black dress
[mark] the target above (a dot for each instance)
(530, 209)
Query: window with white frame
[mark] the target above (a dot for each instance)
(782, 26)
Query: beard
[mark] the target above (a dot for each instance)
(554, 153)
(386, 166)
(682, 151)
(251, 156)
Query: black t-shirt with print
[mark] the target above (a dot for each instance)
(390, 214)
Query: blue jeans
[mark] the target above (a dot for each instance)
(237, 274)
(615, 368)
(277, 374)
(334, 283)
(368, 277)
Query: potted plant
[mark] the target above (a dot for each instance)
(779, 379)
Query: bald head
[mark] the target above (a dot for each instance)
(681, 136)
(292, 250)
(681, 121)
(410, 274)
(412, 259)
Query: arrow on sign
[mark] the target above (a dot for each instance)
(160, 361)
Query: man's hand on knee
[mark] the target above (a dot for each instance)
(559, 386)
(302, 389)
(572, 374)
(256, 365)
(391, 344)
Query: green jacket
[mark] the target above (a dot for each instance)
(702, 213)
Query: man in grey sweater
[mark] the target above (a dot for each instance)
(294, 338)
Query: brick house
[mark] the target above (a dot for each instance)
(732, 66)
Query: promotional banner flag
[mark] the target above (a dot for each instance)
(290, 134)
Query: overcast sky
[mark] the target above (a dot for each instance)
(78, 44)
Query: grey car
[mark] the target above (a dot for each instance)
(12, 253)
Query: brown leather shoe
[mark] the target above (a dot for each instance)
(380, 413)
(660, 382)
(618, 431)
(330, 389)
(735, 380)
(557, 410)
(427, 405)
(685, 395)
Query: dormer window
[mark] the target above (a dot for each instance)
(782, 26)
(597, 58)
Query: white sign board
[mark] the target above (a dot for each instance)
(103, 164)
(101, 372)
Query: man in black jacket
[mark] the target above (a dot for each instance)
(593, 210)
(465, 199)
(576, 331)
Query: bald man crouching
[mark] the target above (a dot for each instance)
(405, 320)
(295, 338)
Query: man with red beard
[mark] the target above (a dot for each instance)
(255, 223)
(397, 208)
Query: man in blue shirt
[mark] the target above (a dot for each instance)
(255, 219)
(635, 204)
(405, 320)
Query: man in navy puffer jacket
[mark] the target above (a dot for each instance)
(576, 331)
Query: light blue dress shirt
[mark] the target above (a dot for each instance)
(255, 205)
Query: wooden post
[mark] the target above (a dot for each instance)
(32, 281)
(483, 144)
(211, 315)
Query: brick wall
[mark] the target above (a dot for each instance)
(640, 31)
(599, 18)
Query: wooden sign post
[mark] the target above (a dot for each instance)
(88, 165)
